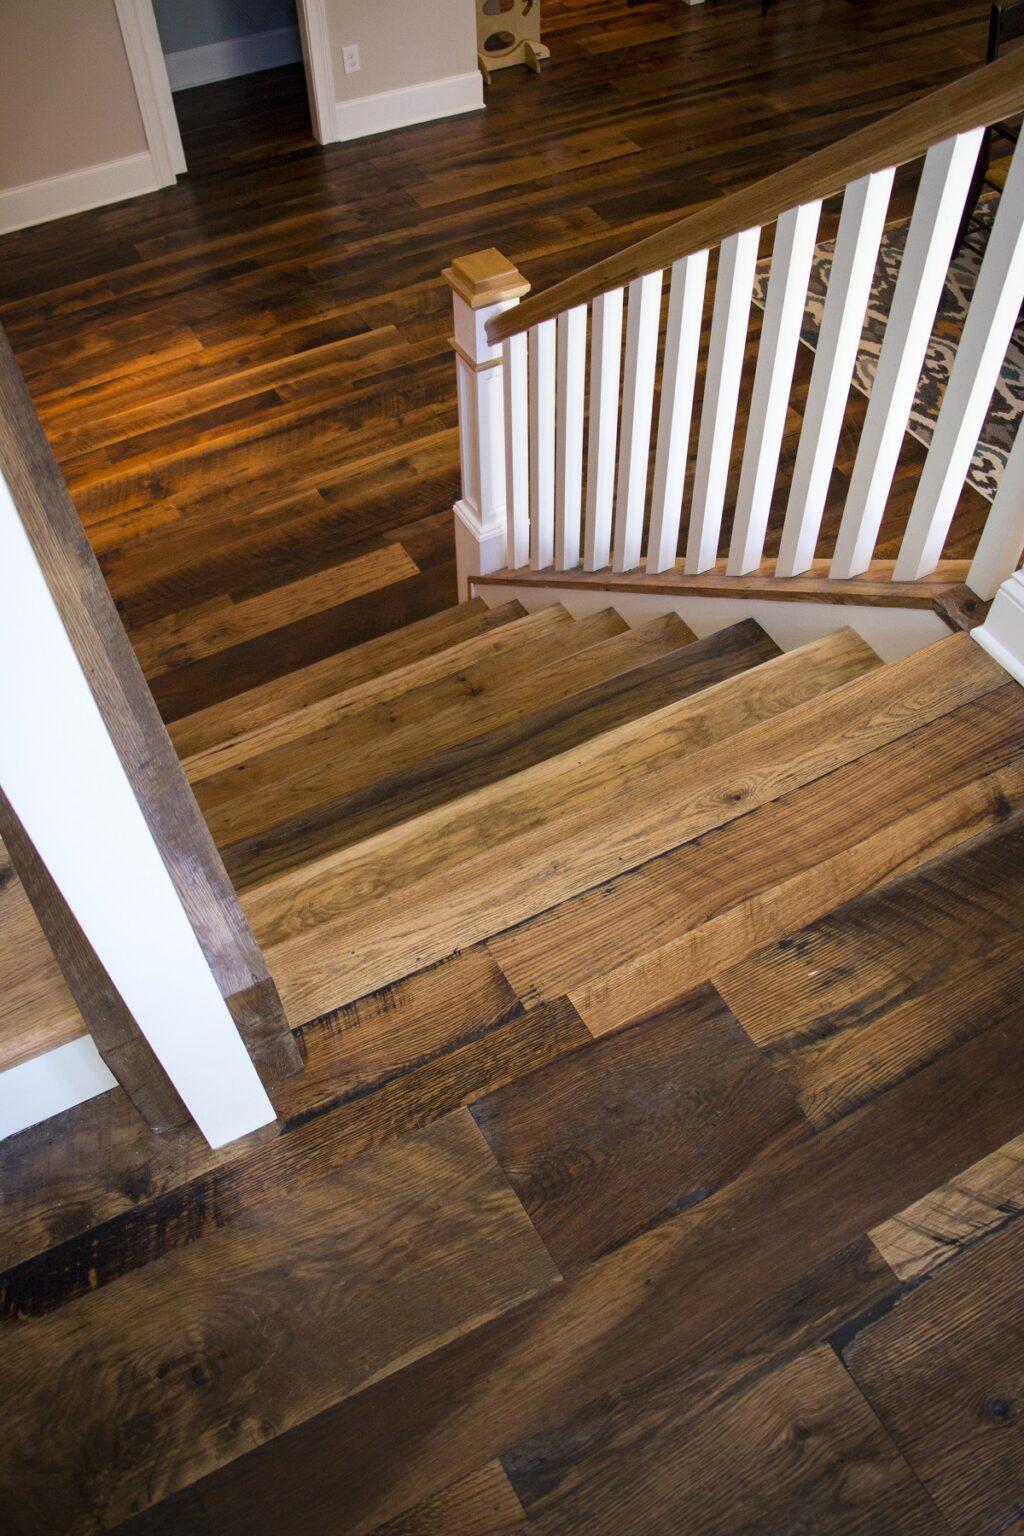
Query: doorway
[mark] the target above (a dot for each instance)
(219, 80)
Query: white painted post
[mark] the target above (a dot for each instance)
(773, 379)
(986, 336)
(1002, 633)
(572, 367)
(635, 428)
(61, 772)
(734, 286)
(483, 285)
(675, 414)
(849, 288)
(937, 211)
(542, 444)
(603, 435)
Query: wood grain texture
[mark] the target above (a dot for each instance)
(799, 1450)
(944, 1373)
(984, 96)
(482, 1504)
(386, 1267)
(348, 669)
(621, 1319)
(608, 1142)
(874, 590)
(878, 987)
(440, 777)
(652, 769)
(650, 934)
(934, 1230)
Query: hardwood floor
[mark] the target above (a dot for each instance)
(246, 377)
(656, 1163)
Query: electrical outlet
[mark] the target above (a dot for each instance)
(350, 59)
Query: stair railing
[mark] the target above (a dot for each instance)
(544, 489)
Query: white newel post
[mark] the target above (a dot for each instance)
(483, 285)
(1002, 633)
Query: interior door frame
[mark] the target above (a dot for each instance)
(148, 66)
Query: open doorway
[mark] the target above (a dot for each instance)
(236, 76)
(221, 80)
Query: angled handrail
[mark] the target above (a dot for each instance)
(985, 95)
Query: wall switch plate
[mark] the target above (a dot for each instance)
(350, 59)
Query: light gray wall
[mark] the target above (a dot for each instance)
(195, 23)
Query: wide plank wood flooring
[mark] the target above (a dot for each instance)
(246, 377)
(657, 1162)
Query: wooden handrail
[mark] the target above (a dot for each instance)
(986, 95)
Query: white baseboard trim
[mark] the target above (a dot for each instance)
(234, 56)
(411, 104)
(1002, 633)
(35, 202)
(48, 1084)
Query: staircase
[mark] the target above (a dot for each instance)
(494, 860)
(411, 797)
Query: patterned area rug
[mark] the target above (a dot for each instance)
(1007, 405)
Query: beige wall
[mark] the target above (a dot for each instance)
(401, 42)
(66, 95)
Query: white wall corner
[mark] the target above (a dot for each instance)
(319, 67)
(55, 197)
(1002, 634)
(479, 547)
(379, 113)
(233, 56)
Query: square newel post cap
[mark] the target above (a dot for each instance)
(486, 277)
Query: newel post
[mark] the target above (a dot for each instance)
(483, 285)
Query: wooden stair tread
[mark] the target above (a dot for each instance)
(346, 669)
(352, 749)
(509, 850)
(355, 756)
(310, 720)
(627, 693)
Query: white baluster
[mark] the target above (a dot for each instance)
(605, 355)
(678, 378)
(517, 451)
(849, 288)
(542, 444)
(773, 379)
(572, 364)
(736, 261)
(483, 285)
(1002, 541)
(940, 199)
(635, 427)
(986, 335)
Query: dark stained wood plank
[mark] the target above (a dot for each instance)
(652, 1304)
(934, 1230)
(358, 1274)
(91, 1197)
(526, 740)
(608, 1142)
(882, 985)
(459, 873)
(482, 1504)
(648, 935)
(799, 1450)
(945, 1373)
